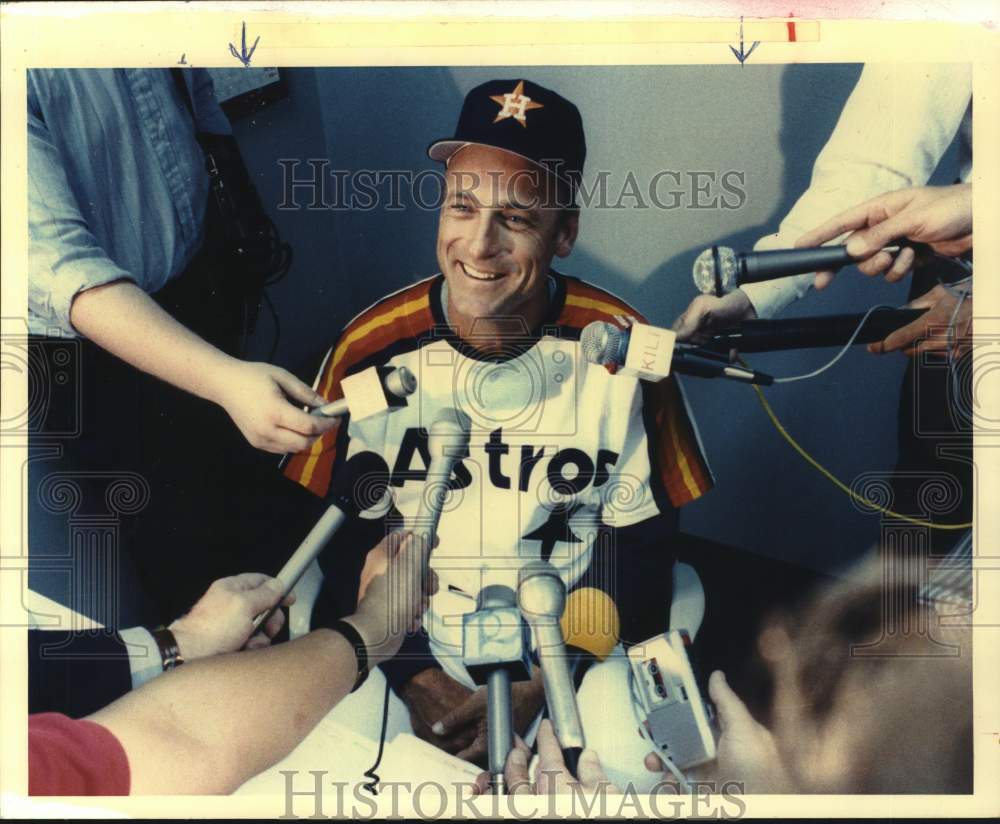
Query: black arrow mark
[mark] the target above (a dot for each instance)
(243, 55)
(741, 55)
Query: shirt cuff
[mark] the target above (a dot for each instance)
(769, 297)
(52, 304)
(143, 655)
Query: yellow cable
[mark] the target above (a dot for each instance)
(836, 481)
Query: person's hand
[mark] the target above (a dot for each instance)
(746, 751)
(375, 564)
(551, 775)
(466, 723)
(940, 216)
(453, 717)
(929, 332)
(430, 695)
(222, 620)
(394, 600)
(707, 314)
(261, 398)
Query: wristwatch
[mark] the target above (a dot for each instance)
(170, 653)
(360, 650)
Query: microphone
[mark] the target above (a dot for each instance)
(641, 351)
(720, 269)
(447, 443)
(360, 484)
(495, 652)
(369, 392)
(591, 627)
(649, 353)
(806, 333)
(541, 595)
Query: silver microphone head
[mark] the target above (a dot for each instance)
(401, 382)
(601, 342)
(541, 593)
(495, 596)
(703, 270)
(449, 432)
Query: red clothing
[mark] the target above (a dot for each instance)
(69, 757)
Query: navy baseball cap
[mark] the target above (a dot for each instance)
(525, 119)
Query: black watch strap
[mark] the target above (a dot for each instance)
(170, 653)
(360, 650)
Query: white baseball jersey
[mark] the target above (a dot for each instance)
(558, 445)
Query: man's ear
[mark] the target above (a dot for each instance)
(569, 225)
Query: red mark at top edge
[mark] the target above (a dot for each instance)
(791, 32)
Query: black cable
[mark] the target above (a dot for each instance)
(277, 327)
(270, 267)
(372, 786)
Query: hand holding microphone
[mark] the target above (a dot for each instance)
(938, 216)
(373, 390)
(261, 399)
(359, 485)
(394, 601)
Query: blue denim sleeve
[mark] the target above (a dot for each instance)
(64, 257)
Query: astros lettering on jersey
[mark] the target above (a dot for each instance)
(559, 446)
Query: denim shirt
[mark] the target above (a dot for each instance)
(117, 186)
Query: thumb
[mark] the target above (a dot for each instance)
(930, 298)
(687, 324)
(823, 279)
(296, 389)
(457, 718)
(398, 541)
(590, 772)
(248, 580)
(264, 596)
(732, 711)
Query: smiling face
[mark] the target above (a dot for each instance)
(497, 238)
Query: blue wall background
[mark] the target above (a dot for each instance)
(766, 121)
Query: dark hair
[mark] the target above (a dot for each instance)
(870, 648)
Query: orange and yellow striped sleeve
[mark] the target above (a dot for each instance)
(397, 317)
(677, 450)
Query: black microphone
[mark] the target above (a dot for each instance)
(359, 485)
(720, 269)
(807, 333)
(606, 345)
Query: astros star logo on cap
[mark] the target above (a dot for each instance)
(514, 104)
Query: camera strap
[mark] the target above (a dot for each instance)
(243, 236)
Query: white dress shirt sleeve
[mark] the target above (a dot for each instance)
(894, 129)
(144, 660)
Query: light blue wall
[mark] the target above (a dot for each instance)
(766, 121)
